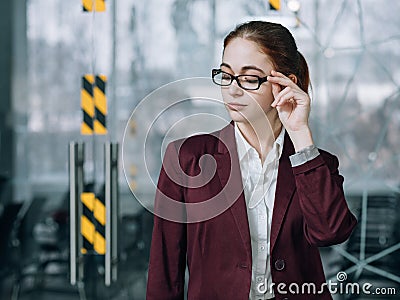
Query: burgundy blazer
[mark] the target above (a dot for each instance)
(309, 211)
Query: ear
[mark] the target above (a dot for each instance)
(293, 78)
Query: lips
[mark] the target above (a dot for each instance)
(235, 105)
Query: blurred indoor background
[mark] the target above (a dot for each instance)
(352, 48)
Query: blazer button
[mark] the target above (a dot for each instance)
(279, 264)
(243, 265)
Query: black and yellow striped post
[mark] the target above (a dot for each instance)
(100, 105)
(93, 5)
(275, 4)
(93, 221)
(94, 104)
(87, 104)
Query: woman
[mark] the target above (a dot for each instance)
(264, 245)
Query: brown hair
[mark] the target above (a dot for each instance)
(277, 42)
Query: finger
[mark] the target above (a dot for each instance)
(280, 78)
(276, 73)
(289, 97)
(276, 89)
(280, 95)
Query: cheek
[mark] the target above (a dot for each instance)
(225, 94)
(264, 99)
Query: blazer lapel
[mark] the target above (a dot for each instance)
(228, 170)
(285, 187)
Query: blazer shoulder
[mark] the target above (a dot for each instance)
(197, 144)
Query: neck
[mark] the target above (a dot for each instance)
(261, 133)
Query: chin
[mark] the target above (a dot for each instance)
(237, 117)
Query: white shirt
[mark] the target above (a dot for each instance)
(259, 183)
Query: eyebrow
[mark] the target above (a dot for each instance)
(244, 68)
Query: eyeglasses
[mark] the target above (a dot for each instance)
(246, 82)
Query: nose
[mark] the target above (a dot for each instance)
(235, 90)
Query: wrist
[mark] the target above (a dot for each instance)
(301, 138)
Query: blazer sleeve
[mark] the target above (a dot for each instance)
(166, 272)
(327, 218)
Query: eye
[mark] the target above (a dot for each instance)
(225, 76)
(250, 79)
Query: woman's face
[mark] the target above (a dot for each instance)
(242, 56)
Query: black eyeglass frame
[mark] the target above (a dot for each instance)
(215, 72)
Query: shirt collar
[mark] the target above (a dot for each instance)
(243, 147)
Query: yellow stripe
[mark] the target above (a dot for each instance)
(89, 77)
(97, 5)
(87, 4)
(86, 129)
(87, 103)
(87, 229)
(100, 5)
(276, 4)
(103, 77)
(99, 128)
(88, 199)
(100, 212)
(100, 100)
(99, 244)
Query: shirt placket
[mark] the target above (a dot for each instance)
(260, 178)
(264, 225)
(262, 233)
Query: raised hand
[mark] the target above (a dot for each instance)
(293, 106)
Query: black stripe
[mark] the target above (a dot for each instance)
(87, 86)
(90, 216)
(272, 7)
(100, 117)
(100, 228)
(101, 199)
(100, 83)
(87, 213)
(88, 120)
(87, 245)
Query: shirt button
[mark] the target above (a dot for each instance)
(262, 248)
(279, 264)
(259, 279)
